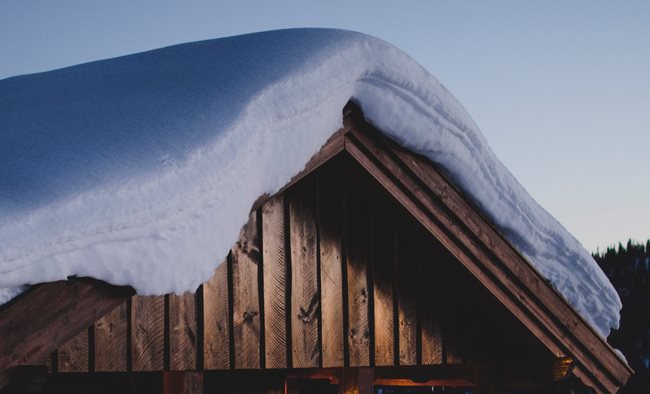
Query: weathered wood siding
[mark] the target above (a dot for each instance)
(331, 273)
(147, 333)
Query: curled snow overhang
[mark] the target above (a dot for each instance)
(141, 169)
(444, 211)
(423, 191)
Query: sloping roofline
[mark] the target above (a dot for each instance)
(450, 217)
(416, 183)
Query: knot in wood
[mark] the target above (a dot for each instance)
(307, 315)
(249, 315)
(364, 295)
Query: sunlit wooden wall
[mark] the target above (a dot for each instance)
(330, 273)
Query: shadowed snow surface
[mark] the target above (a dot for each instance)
(142, 169)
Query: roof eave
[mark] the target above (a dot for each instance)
(449, 216)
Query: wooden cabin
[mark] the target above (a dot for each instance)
(368, 273)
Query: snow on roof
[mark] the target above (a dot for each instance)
(141, 169)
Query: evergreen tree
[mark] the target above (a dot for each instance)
(628, 268)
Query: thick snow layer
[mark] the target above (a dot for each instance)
(141, 169)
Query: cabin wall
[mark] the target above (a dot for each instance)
(330, 273)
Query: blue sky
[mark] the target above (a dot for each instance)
(560, 89)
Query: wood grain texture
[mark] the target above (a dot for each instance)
(305, 300)
(36, 323)
(110, 341)
(216, 320)
(407, 262)
(455, 316)
(357, 256)
(330, 222)
(430, 297)
(383, 254)
(147, 333)
(73, 356)
(182, 332)
(275, 283)
(431, 341)
(246, 258)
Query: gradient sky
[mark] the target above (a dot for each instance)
(560, 89)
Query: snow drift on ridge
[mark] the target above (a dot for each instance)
(141, 169)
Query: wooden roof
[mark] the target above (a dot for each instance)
(432, 200)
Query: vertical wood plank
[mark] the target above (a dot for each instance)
(452, 308)
(110, 341)
(383, 252)
(147, 333)
(330, 222)
(452, 341)
(358, 252)
(275, 280)
(429, 297)
(407, 260)
(246, 310)
(305, 300)
(216, 316)
(431, 341)
(182, 331)
(73, 356)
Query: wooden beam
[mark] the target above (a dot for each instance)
(330, 227)
(182, 332)
(182, 382)
(111, 345)
(384, 284)
(429, 284)
(216, 320)
(305, 297)
(407, 278)
(246, 259)
(147, 333)
(275, 282)
(39, 322)
(357, 234)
